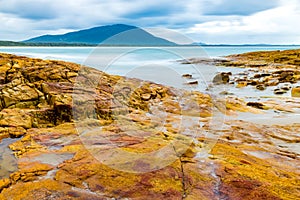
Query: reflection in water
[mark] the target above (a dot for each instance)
(49, 158)
(8, 162)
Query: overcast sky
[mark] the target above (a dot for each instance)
(208, 21)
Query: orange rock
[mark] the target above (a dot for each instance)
(30, 171)
(15, 118)
(296, 92)
(248, 161)
(4, 183)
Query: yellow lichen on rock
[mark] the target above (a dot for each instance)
(64, 151)
(242, 175)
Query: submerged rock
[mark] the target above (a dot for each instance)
(226, 93)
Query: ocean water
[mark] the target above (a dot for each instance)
(157, 64)
(80, 54)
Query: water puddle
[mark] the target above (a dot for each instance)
(269, 117)
(8, 162)
(49, 158)
(259, 154)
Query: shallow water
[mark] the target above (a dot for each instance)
(49, 158)
(8, 162)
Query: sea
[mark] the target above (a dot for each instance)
(158, 64)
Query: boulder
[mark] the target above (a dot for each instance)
(260, 87)
(256, 105)
(242, 84)
(279, 91)
(189, 76)
(192, 83)
(286, 76)
(222, 78)
(286, 87)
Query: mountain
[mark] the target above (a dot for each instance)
(122, 35)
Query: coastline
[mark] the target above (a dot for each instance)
(237, 159)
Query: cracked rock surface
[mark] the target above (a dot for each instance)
(49, 114)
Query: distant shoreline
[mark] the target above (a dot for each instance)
(23, 44)
(84, 46)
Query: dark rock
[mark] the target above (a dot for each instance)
(261, 75)
(253, 82)
(222, 78)
(225, 93)
(260, 87)
(189, 76)
(193, 83)
(279, 91)
(286, 87)
(256, 105)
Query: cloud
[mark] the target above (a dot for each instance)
(204, 20)
(29, 9)
(277, 25)
(237, 7)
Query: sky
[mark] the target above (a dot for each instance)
(207, 21)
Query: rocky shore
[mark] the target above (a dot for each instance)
(61, 125)
(269, 77)
(262, 69)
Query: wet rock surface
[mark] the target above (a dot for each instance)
(266, 59)
(66, 135)
(262, 69)
(296, 92)
(222, 78)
